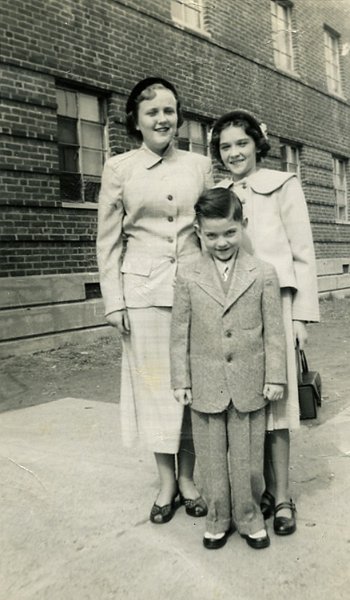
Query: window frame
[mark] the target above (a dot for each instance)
(284, 58)
(83, 179)
(291, 150)
(332, 61)
(182, 20)
(339, 170)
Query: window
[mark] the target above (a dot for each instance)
(193, 136)
(331, 47)
(290, 158)
(188, 12)
(81, 144)
(281, 16)
(340, 188)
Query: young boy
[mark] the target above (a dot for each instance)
(227, 362)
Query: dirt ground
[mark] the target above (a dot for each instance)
(93, 371)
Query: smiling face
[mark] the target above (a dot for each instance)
(157, 120)
(237, 151)
(221, 237)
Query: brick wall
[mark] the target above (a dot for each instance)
(106, 46)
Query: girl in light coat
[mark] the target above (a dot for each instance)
(278, 232)
(145, 231)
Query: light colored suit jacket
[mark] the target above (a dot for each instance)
(145, 224)
(225, 347)
(279, 232)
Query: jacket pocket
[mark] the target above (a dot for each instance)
(140, 265)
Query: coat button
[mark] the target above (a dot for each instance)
(244, 185)
(172, 260)
(170, 240)
(170, 197)
(228, 333)
(170, 219)
(229, 357)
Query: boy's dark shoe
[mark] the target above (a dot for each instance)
(216, 543)
(257, 543)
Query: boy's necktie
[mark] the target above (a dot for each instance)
(225, 272)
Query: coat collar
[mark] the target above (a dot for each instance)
(151, 159)
(242, 278)
(262, 181)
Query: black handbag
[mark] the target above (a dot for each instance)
(309, 388)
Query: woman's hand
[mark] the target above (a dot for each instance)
(300, 334)
(183, 396)
(120, 320)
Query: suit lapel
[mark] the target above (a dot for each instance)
(244, 275)
(208, 279)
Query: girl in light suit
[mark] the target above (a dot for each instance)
(278, 232)
(145, 230)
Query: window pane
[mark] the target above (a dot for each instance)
(67, 130)
(183, 144)
(177, 10)
(92, 135)
(91, 189)
(196, 131)
(68, 159)
(184, 130)
(198, 148)
(89, 109)
(92, 161)
(66, 103)
(70, 187)
(192, 17)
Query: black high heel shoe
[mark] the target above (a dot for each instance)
(194, 508)
(285, 525)
(267, 505)
(163, 514)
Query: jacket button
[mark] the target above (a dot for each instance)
(170, 197)
(170, 219)
(228, 333)
(172, 260)
(170, 240)
(229, 357)
(244, 185)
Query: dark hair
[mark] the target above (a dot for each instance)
(219, 203)
(145, 90)
(251, 126)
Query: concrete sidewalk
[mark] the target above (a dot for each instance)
(74, 518)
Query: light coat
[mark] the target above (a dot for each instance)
(145, 224)
(226, 346)
(279, 232)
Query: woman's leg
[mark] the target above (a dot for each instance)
(186, 459)
(276, 470)
(269, 473)
(167, 477)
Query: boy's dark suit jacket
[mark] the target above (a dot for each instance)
(225, 347)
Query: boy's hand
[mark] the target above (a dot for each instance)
(273, 391)
(183, 395)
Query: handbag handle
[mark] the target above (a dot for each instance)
(302, 366)
(298, 363)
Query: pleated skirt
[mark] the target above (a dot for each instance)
(284, 414)
(150, 415)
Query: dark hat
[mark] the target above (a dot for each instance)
(132, 105)
(241, 113)
(142, 85)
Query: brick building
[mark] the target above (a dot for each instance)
(67, 67)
